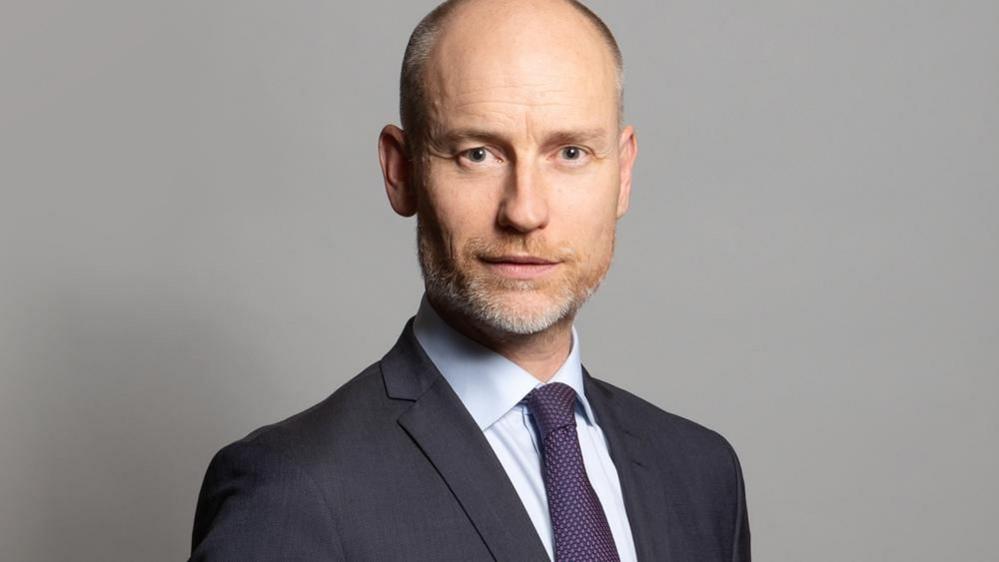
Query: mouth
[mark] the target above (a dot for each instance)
(519, 266)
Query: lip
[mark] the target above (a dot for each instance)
(524, 259)
(519, 267)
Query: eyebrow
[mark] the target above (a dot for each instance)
(451, 137)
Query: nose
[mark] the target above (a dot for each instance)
(525, 205)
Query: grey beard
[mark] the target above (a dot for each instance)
(470, 298)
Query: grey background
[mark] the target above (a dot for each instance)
(194, 241)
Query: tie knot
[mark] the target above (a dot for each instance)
(553, 406)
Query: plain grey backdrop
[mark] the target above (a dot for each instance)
(195, 241)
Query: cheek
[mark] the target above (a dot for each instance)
(589, 217)
(460, 210)
(599, 239)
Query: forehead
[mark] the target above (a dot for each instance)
(524, 61)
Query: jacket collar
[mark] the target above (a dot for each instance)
(449, 437)
(653, 486)
(452, 441)
(488, 384)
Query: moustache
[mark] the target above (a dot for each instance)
(534, 249)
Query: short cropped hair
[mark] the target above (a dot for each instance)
(412, 90)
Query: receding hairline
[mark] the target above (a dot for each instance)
(412, 88)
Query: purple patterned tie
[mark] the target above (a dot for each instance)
(581, 530)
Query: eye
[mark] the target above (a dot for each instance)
(572, 153)
(573, 156)
(477, 155)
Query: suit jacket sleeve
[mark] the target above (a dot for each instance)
(740, 540)
(256, 503)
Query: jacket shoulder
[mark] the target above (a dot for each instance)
(699, 463)
(277, 489)
(357, 410)
(666, 431)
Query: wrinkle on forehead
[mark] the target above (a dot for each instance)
(525, 97)
(502, 96)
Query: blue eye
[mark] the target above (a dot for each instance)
(571, 153)
(476, 154)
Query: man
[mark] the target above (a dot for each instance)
(479, 436)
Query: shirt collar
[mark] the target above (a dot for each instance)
(488, 384)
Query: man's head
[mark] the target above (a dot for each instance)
(412, 84)
(513, 159)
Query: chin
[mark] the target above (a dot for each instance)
(520, 312)
(505, 306)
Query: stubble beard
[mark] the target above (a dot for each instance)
(485, 299)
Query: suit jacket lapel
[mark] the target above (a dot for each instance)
(446, 433)
(644, 485)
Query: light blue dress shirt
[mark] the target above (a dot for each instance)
(492, 389)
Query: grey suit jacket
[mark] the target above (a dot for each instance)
(392, 467)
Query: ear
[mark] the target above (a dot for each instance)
(396, 170)
(627, 152)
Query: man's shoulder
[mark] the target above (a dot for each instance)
(356, 412)
(667, 432)
(357, 423)
(697, 470)
(282, 480)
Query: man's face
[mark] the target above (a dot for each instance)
(522, 182)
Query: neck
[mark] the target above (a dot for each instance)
(539, 354)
